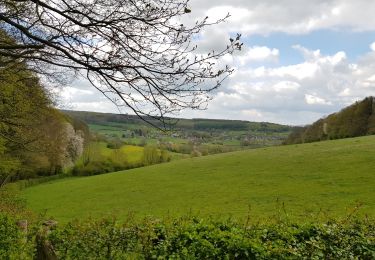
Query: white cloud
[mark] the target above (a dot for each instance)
(318, 86)
(96, 106)
(314, 100)
(371, 79)
(259, 53)
(298, 71)
(286, 86)
(238, 14)
(295, 94)
(290, 16)
(261, 89)
(252, 113)
(70, 93)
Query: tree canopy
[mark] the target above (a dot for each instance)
(35, 138)
(357, 119)
(137, 53)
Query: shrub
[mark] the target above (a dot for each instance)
(13, 243)
(93, 168)
(195, 238)
(165, 156)
(195, 153)
(150, 155)
(115, 143)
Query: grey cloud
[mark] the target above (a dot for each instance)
(285, 94)
(290, 16)
(281, 93)
(258, 93)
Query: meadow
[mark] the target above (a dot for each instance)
(329, 178)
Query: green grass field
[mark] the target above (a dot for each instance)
(329, 177)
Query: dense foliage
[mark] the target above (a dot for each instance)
(195, 238)
(355, 120)
(35, 138)
(11, 236)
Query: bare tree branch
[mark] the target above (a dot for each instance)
(137, 53)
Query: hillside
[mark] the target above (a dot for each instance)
(193, 137)
(331, 177)
(132, 121)
(355, 120)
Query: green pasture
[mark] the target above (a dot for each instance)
(326, 178)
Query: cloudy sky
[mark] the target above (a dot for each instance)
(303, 59)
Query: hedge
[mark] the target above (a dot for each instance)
(192, 238)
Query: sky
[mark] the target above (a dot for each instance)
(302, 60)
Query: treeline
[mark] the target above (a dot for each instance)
(35, 138)
(355, 120)
(104, 118)
(181, 124)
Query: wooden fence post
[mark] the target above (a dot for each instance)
(45, 250)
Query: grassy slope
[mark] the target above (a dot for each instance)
(332, 175)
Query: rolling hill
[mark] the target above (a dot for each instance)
(132, 121)
(330, 177)
(355, 120)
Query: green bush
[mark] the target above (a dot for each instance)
(101, 167)
(95, 168)
(115, 143)
(13, 243)
(153, 155)
(194, 238)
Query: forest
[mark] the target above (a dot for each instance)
(357, 119)
(36, 139)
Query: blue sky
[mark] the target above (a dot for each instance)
(354, 44)
(301, 60)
